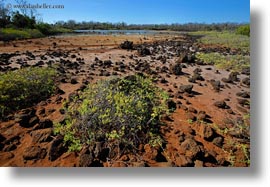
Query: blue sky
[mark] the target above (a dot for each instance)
(147, 11)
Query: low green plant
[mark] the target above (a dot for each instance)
(121, 113)
(225, 38)
(24, 87)
(7, 34)
(245, 149)
(231, 62)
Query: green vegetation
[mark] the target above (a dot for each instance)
(231, 62)
(224, 38)
(227, 39)
(122, 113)
(21, 26)
(22, 88)
(48, 29)
(243, 30)
(7, 34)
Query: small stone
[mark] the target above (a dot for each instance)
(218, 141)
(198, 163)
(73, 81)
(9, 147)
(33, 152)
(206, 132)
(186, 88)
(221, 104)
(43, 135)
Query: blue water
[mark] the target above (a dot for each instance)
(116, 32)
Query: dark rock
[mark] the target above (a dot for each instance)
(186, 88)
(215, 84)
(206, 132)
(197, 70)
(163, 81)
(73, 81)
(176, 69)
(104, 154)
(230, 111)
(39, 63)
(60, 91)
(246, 71)
(201, 116)
(86, 158)
(9, 147)
(192, 110)
(218, 141)
(192, 80)
(181, 138)
(186, 58)
(43, 135)
(126, 45)
(164, 69)
(171, 105)
(197, 76)
(34, 152)
(5, 156)
(57, 148)
(2, 138)
(107, 63)
(221, 104)
(62, 111)
(243, 102)
(190, 147)
(243, 94)
(43, 124)
(24, 116)
(246, 81)
(233, 76)
(144, 51)
(226, 80)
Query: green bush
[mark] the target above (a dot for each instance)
(8, 34)
(48, 29)
(243, 30)
(24, 87)
(122, 113)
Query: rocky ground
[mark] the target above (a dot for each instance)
(210, 126)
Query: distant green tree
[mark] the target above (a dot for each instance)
(23, 21)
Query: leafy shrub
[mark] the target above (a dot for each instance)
(8, 34)
(22, 88)
(243, 30)
(121, 113)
